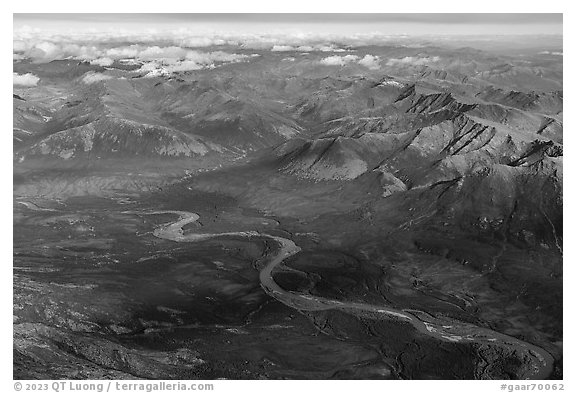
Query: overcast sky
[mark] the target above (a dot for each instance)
(411, 24)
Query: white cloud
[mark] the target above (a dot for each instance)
(80, 52)
(306, 48)
(124, 52)
(413, 60)
(371, 62)
(93, 77)
(45, 51)
(329, 48)
(339, 60)
(48, 48)
(19, 45)
(202, 42)
(551, 53)
(156, 52)
(193, 60)
(103, 61)
(368, 61)
(218, 56)
(25, 80)
(282, 48)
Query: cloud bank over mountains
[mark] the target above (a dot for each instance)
(45, 46)
(161, 52)
(152, 42)
(165, 52)
(193, 39)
